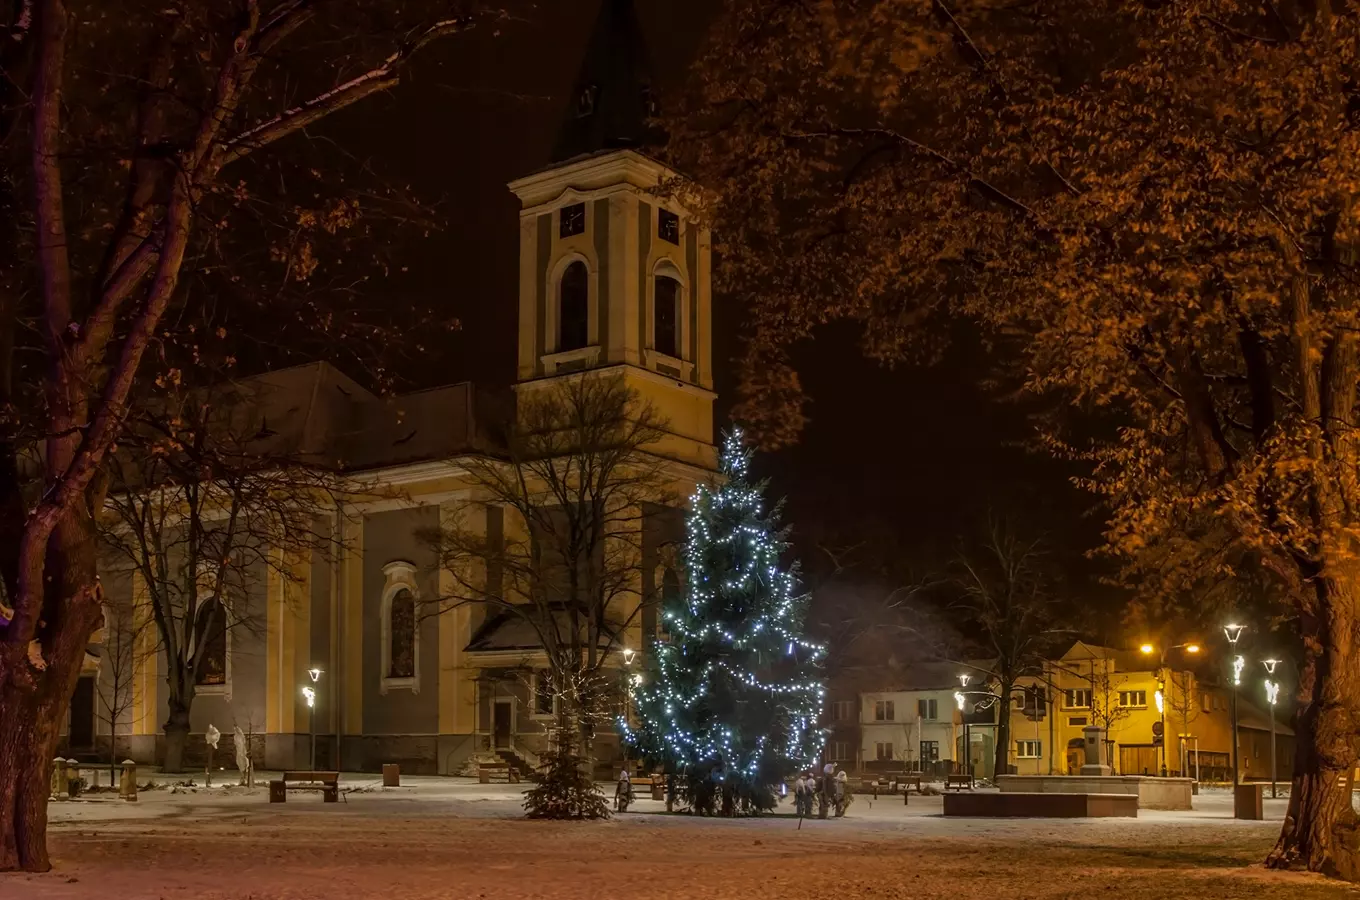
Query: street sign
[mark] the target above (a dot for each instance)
(1157, 728)
(1156, 740)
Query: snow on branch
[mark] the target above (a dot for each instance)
(380, 78)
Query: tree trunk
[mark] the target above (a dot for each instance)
(1321, 832)
(35, 696)
(176, 737)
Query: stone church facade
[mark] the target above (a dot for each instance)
(614, 280)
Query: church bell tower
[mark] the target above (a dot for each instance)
(614, 275)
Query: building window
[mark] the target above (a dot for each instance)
(668, 226)
(883, 750)
(842, 710)
(1077, 699)
(401, 636)
(927, 709)
(1027, 750)
(883, 711)
(400, 628)
(1076, 720)
(671, 597)
(840, 751)
(666, 317)
(930, 751)
(1036, 703)
(571, 220)
(573, 304)
(545, 700)
(1133, 698)
(211, 630)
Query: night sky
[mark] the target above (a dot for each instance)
(901, 464)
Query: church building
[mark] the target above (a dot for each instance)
(614, 279)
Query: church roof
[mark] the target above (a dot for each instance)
(508, 631)
(612, 98)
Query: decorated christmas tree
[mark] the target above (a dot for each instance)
(729, 701)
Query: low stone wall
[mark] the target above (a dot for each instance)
(985, 804)
(1152, 792)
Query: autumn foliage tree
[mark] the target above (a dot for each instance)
(1151, 209)
(136, 135)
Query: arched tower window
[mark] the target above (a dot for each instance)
(573, 303)
(210, 632)
(666, 317)
(401, 653)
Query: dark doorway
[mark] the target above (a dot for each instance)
(81, 733)
(502, 715)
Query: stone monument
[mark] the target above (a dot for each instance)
(1095, 748)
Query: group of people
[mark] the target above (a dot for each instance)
(826, 791)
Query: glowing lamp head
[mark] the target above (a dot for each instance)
(963, 682)
(1270, 665)
(628, 654)
(1192, 648)
(1147, 648)
(315, 674)
(1233, 632)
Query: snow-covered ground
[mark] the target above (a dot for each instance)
(455, 839)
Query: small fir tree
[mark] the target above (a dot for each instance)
(729, 702)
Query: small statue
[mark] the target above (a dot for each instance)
(212, 736)
(242, 754)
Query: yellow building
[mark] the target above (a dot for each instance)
(1118, 690)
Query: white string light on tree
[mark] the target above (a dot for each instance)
(735, 689)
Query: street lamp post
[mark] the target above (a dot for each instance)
(309, 693)
(1233, 632)
(967, 747)
(1272, 695)
(1162, 695)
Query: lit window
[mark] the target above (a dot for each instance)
(1027, 750)
(1133, 698)
(1077, 699)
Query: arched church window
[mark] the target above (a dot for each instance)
(666, 317)
(210, 634)
(574, 308)
(400, 622)
(670, 588)
(402, 635)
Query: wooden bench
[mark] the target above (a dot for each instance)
(958, 782)
(488, 772)
(655, 783)
(328, 783)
